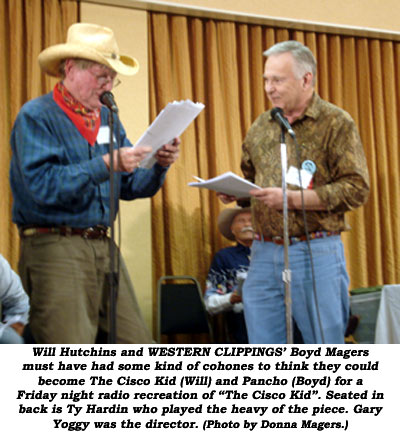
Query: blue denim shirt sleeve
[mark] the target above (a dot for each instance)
(46, 169)
(58, 178)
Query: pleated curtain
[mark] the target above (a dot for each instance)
(27, 27)
(220, 63)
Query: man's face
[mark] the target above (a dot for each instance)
(284, 89)
(87, 85)
(241, 227)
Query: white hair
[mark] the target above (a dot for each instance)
(303, 58)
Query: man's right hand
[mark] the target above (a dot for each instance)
(225, 198)
(235, 297)
(129, 158)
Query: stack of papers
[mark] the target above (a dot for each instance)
(169, 124)
(228, 183)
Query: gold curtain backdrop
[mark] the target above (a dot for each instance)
(27, 27)
(220, 64)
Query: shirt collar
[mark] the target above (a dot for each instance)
(313, 109)
(242, 247)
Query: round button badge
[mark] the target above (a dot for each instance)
(309, 166)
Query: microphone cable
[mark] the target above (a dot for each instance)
(297, 147)
(119, 227)
(277, 115)
(119, 213)
(115, 188)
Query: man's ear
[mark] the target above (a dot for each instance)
(307, 80)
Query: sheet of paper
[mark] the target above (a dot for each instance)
(227, 183)
(169, 124)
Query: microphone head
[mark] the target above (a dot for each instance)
(107, 99)
(277, 115)
(275, 111)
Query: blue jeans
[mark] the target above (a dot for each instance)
(264, 290)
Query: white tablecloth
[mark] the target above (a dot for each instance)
(388, 320)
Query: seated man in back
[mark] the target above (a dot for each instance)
(228, 270)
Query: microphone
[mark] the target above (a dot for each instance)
(277, 115)
(107, 99)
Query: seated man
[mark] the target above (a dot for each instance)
(14, 305)
(228, 269)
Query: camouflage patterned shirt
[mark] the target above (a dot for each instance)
(328, 137)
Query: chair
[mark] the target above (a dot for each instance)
(181, 307)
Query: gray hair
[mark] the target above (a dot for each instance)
(304, 59)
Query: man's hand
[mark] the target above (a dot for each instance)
(18, 327)
(225, 198)
(129, 158)
(272, 197)
(235, 297)
(168, 153)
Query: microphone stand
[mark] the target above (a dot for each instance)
(112, 276)
(286, 273)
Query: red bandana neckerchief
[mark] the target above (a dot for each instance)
(87, 122)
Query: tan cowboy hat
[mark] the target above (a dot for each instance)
(88, 41)
(225, 220)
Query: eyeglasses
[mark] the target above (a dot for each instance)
(103, 78)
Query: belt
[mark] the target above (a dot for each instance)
(91, 233)
(292, 240)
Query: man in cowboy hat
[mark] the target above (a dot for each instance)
(227, 271)
(60, 178)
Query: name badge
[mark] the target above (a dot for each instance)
(103, 137)
(293, 178)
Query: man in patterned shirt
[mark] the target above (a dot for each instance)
(334, 169)
(60, 178)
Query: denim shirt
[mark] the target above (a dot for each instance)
(57, 178)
